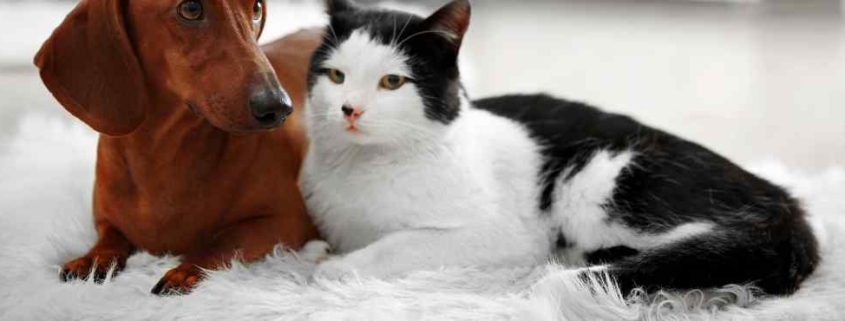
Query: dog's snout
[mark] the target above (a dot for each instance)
(270, 107)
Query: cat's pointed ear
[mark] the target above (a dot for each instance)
(451, 21)
(336, 6)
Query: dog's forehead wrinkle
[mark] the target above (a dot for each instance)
(236, 19)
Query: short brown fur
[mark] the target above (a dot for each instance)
(202, 182)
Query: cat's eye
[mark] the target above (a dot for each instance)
(190, 10)
(257, 11)
(392, 82)
(336, 76)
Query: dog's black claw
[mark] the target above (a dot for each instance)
(159, 288)
(67, 276)
(179, 281)
(100, 276)
(96, 270)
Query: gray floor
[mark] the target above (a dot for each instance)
(754, 81)
(22, 93)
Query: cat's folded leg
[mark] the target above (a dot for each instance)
(428, 249)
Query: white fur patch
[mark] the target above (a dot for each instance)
(579, 210)
(365, 59)
(394, 117)
(578, 202)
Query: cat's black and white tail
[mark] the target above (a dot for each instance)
(777, 263)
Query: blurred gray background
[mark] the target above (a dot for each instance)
(754, 80)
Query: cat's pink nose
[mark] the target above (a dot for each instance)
(351, 113)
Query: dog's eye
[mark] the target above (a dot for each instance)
(190, 10)
(392, 82)
(257, 11)
(336, 76)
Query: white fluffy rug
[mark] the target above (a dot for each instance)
(46, 173)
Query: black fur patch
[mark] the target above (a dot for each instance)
(610, 255)
(432, 59)
(570, 133)
(562, 242)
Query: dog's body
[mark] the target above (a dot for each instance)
(182, 166)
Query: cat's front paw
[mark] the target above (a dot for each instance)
(336, 270)
(316, 251)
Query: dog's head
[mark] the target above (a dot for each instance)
(110, 59)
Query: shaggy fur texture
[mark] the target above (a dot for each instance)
(46, 173)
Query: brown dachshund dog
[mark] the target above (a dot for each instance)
(183, 97)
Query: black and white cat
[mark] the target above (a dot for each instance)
(406, 173)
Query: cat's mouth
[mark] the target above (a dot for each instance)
(352, 129)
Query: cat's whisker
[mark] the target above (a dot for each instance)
(393, 37)
(310, 116)
(327, 50)
(336, 41)
(404, 27)
(414, 128)
(409, 125)
(448, 35)
(329, 39)
(417, 141)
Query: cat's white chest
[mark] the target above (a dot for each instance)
(360, 203)
(482, 173)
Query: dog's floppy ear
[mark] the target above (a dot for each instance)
(91, 68)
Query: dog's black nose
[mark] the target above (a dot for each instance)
(270, 107)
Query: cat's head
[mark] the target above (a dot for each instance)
(387, 77)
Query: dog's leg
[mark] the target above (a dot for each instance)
(111, 250)
(247, 241)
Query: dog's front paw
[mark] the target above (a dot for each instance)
(336, 270)
(178, 281)
(97, 266)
